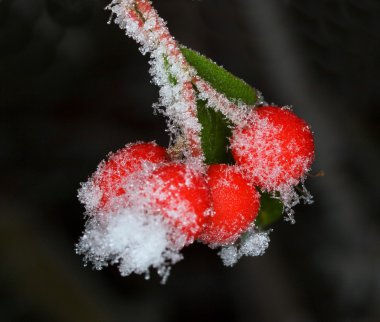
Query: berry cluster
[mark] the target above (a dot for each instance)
(214, 206)
(216, 203)
(145, 202)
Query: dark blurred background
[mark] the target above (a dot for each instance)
(73, 88)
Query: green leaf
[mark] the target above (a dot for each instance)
(215, 127)
(223, 81)
(215, 134)
(271, 210)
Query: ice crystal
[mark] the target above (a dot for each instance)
(251, 243)
(132, 240)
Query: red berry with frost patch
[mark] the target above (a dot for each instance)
(276, 147)
(181, 195)
(111, 175)
(236, 204)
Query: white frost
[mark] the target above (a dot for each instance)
(252, 243)
(133, 240)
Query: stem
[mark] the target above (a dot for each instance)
(143, 24)
(236, 114)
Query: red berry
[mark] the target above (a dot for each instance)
(235, 203)
(181, 195)
(111, 175)
(276, 148)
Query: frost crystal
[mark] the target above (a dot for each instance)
(131, 239)
(252, 243)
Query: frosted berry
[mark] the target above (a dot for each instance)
(181, 195)
(276, 148)
(111, 175)
(235, 205)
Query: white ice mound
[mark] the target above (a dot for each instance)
(132, 240)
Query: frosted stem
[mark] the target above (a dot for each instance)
(237, 114)
(143, 24)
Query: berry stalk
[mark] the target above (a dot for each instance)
(143, 24)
